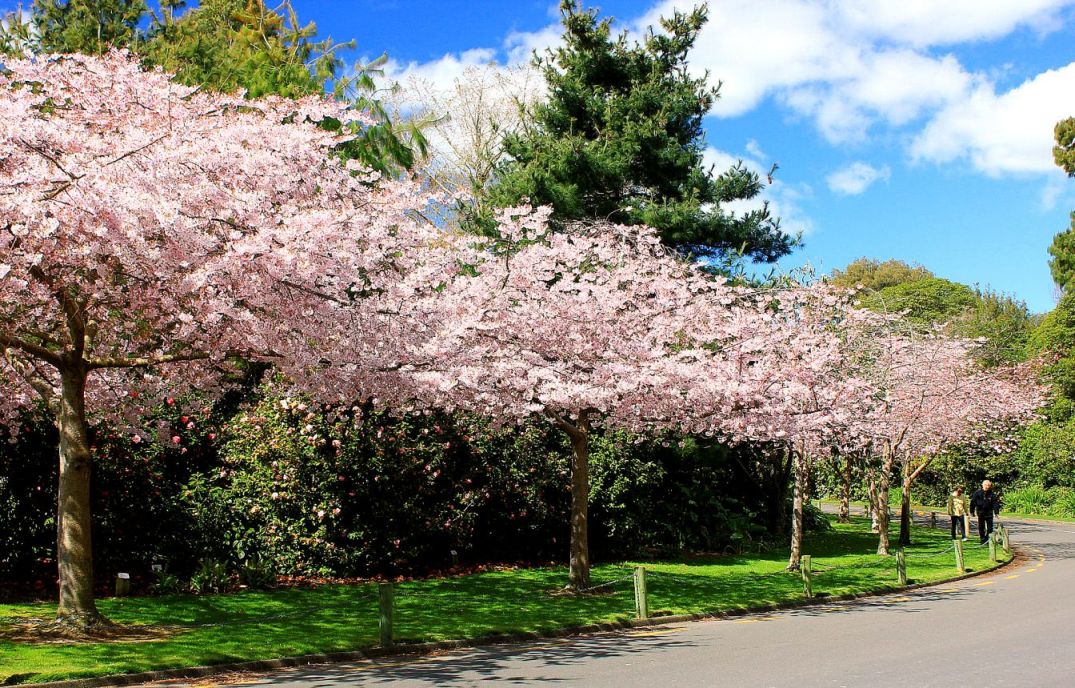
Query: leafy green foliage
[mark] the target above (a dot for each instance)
(73, 26)
(925, 301)
(228, 45)
(211, 576)
(620, 137)
(1055, 335)
(1064, 151)
(257, 573)
(1034, 499)
(875, 275)
(893, 286)
(1062, 257)
(292, 490)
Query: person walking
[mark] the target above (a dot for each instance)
(957, 510)
(985, 504)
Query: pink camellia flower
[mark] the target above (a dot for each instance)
(170, 401)
(336, 511)
(137, 439)
(211, 435)
(190, 426)
(176, 439)
(183, 419)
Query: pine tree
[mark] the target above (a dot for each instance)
(73, 26)
(620, 137)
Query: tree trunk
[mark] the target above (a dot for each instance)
(74, 547)
(905, 507)
(579, 576)
(845, 492)
(797, 496)
(884, 482)
(871, 501)
(579, 557)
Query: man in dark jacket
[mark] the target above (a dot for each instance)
(985, 503)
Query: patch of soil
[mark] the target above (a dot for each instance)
(48, 632)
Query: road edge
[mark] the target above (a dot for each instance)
(417, 649)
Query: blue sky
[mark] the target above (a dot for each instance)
(918, 130)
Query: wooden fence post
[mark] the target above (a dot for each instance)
(901, 566)
(993, 547)
(123, 584)
(1004, 540)
(385, 595)
(641, 598)
(804, 566)
(933, 519)
(958, 544)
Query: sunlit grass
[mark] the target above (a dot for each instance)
(260, 625)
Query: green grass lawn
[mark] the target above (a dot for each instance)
(261, 625)
(941, 512)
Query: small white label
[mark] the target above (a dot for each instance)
(123, 576)
(157, 568)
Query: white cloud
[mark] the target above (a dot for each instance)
(784, 199)
(924, 23)
(856, 67)
(856, 178)
(999, 133)
(443, 71)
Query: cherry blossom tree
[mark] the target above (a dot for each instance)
(149, 232)
(930, 395)
(809, 381)
(594, 324)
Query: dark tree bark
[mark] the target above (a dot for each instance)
(579, 558)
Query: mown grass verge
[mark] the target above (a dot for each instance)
(942, 515)
(216, 629)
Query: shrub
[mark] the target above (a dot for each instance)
(211, 576)
(257, 573)
(1030, 500)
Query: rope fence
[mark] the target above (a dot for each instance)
(635, 578)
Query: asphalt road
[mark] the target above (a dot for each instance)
(1014, 628)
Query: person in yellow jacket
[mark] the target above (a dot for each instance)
(957, 509)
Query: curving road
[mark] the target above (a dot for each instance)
(1014, 628)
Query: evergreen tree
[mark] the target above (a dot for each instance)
(73, 26)
(620, 137)
(1064, 150)
(1062, 257)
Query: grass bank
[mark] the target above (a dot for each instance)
(247, 626)
(941, 512)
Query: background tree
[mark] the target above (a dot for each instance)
(620, 137)
(74, 26)
(1062, 257)
(875, 275)
(468, 121)
(1064, 150)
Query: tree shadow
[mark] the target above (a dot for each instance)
(487, 663)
